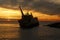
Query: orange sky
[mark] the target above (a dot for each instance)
(15, 14)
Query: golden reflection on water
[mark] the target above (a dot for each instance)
(9, 25)
(14, 32)
(9, 31)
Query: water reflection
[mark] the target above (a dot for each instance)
(9, 32)
(14, 32)
(29, 34)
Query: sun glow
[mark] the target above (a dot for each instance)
(16, 14)
(46, 17)
(8, 13)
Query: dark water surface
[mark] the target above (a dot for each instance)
(13, 32)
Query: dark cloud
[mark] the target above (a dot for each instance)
(44, 6)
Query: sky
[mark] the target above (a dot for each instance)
(44, 9)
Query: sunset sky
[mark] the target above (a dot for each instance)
(44, 10)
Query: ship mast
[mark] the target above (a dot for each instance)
(21, 11)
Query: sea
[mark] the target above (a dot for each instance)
(10, 30)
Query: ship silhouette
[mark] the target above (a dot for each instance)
(28, 21)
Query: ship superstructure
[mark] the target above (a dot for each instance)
(28, 21)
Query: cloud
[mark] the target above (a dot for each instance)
(44, 6)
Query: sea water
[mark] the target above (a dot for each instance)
(12, 31)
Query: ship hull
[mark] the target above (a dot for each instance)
(24, 24)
